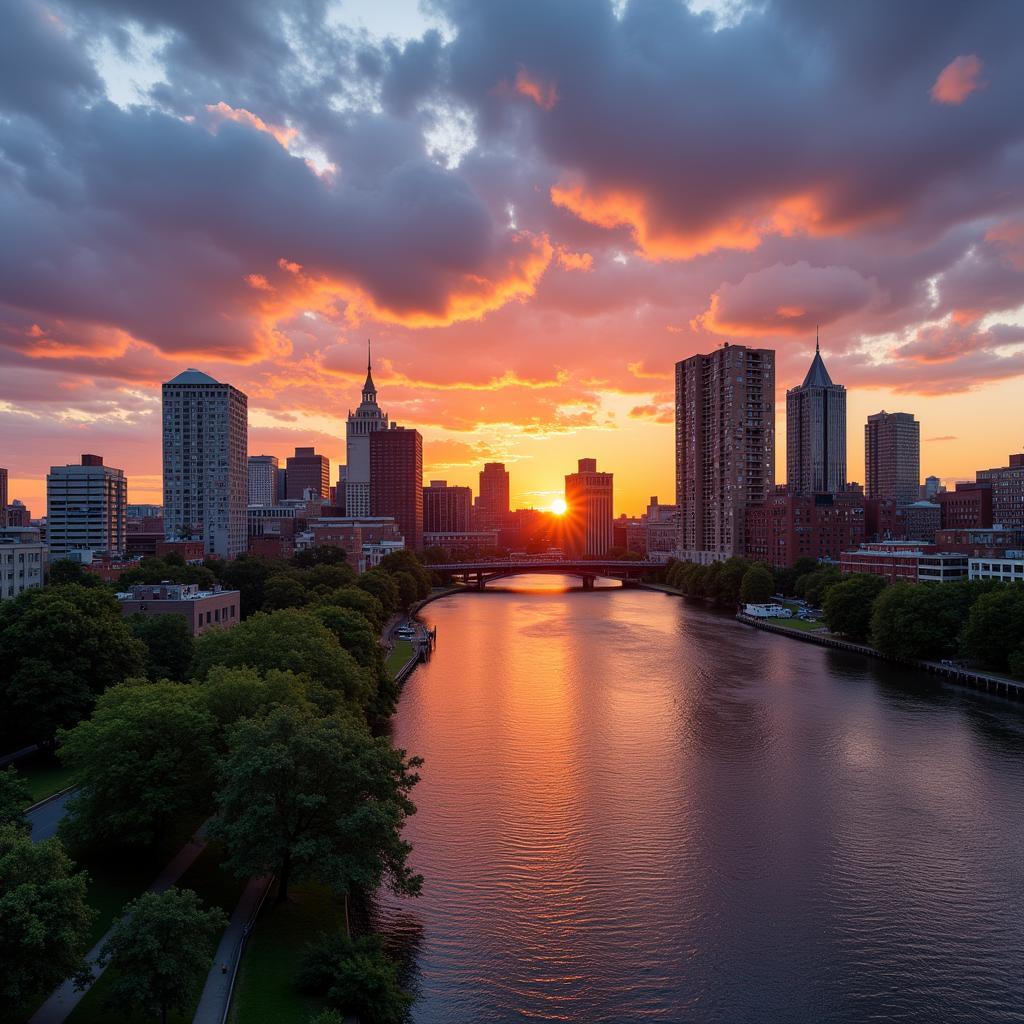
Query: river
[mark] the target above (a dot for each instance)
(633, 808)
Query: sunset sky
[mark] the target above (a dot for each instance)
(533, 208)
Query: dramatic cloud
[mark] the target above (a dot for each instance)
(533, 208)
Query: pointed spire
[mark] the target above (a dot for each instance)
(817, 375)
(369, 391)
(368, 361)
(817, 344)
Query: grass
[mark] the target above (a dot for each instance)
(400, 654)
(44, 774)
(795, 623)
(215, 887)
(266, 992)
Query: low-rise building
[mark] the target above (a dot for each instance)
(922, 520)
(353, 534)
(905, 561)
(1009, 569)
(202, 609)
(23, 558)
(966, 508)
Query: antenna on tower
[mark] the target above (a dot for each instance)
(817, 346)
(367, 355)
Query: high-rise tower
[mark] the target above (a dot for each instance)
(86, 508)
(205, 462)
(816, 433)
(367, 419)
(588, 516)
(892, 457)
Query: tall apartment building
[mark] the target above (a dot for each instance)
(492, 503)
(589, 526)
(1007, 492)
(892, 457)
(205, 438)
(3, 498)
(86, 508)
(366, 420)
(308, 471)
(816, 433)
(396, 480)
(262, 489)
(447, 509)
(725, 447)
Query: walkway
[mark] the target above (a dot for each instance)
(45, 816)
(65, 998)
(216, 997)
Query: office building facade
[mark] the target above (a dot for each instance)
(892, 457)
(816, 433)
(262, 488)
(725, 447)
(23, 558)
(447, 509)
(492, 503)
(1007, 483)
(205, 437)
(309, 475)
(396, 480)
(589, 526)
(368, 419)
(86, 508)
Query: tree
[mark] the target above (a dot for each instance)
(849, 603)
(160, 951)
(231, 694)
(361, 601)
(170, 568)
(44, 918)
(995, 626)
(291, 640)
(406, 560)
(757, 586)
(407, 591)
(322, 579)
(15, 796)
(730, 580)
(59, 648)
(284, 590)
(64, 570)
(383, 587)
(356, 976)
(917, 620)
(310, 797)
(320, 554)
(813, 585)
(169, 644)
(145, 760)
(247, 574)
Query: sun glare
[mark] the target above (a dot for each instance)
(559, 507)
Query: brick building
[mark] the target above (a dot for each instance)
(787, 527)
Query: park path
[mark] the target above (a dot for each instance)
(45, 816)
(66, 997)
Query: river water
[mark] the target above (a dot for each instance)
(633, 808)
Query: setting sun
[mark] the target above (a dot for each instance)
(559, 507)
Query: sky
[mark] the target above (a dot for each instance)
(534, 209)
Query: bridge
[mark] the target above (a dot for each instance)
(479, 574)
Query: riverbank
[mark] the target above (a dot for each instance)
(972, 678)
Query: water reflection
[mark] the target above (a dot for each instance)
(634, 809)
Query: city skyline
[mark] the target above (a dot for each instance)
(530, 299)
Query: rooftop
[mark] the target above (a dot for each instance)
(193, 376)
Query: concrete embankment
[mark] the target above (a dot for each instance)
(973, 678)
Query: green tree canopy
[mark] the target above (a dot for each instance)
(159, 952)
(407, 591)
(812, 586)
(323, 579)
(730, 579)
(757, 585)
(247, 574)
(231, 694)
(320, 554)
(169, 643)
(383, 587)
(361, 601)
(311, 797)
(292, 640)
(284, 590)
(848, 605)
(64, 570)
(355, 976)
(44, 919)
(145, 760)
(170, 567)
(15, 796)
(995, 626)
(406, 560)
(59, 648)
(917, 620)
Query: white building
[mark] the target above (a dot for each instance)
(262, 479)
(1009, 569)
(22, 560)
(205, 474)
(86, 508)
(361, 424)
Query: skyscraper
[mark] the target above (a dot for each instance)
(492, 504)
(366, 420)
(588, 516)
(725, 446)
(892, 457)
(816, 433)
(447, 509)
(205, 472)
(1007, 483)
(262, 479)
(86, 508)
(308, 471)
(3, 498)
(396, 480)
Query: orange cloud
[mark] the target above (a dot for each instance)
(221, 112)
(1009, 238)
(544, 94)
(569, 260)
(958, 79)
(656, 240)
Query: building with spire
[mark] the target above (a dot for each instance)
(816, 432)
(366, 420)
